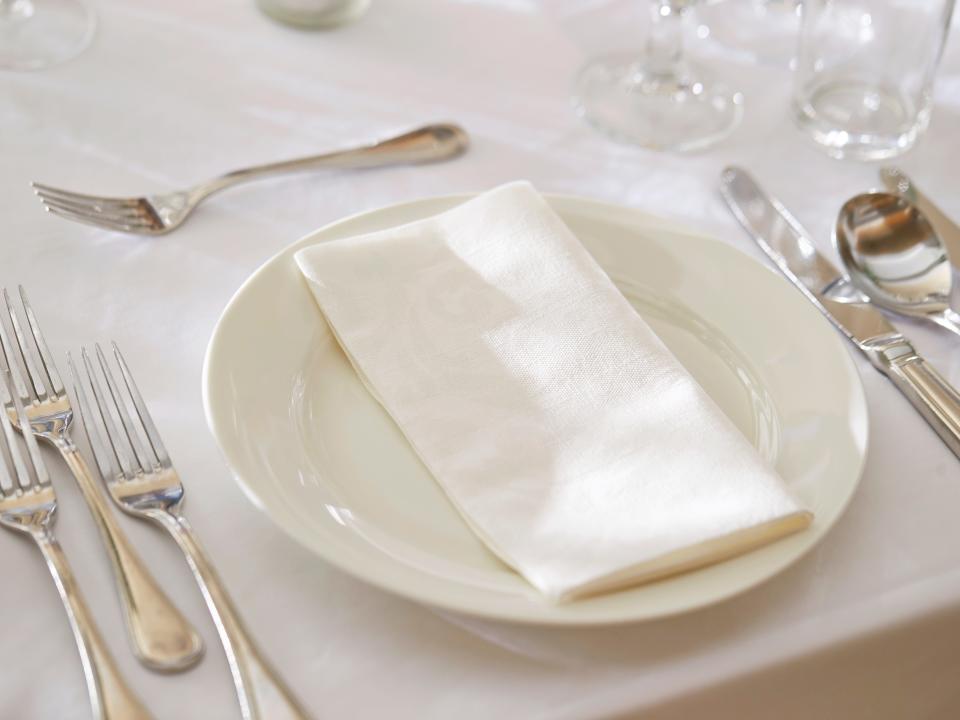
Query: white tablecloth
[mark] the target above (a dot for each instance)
(867, 625)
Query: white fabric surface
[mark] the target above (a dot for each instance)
(865, 626)
(568, 436)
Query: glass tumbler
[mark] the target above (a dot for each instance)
(865, 69)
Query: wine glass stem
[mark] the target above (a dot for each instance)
(665, 39)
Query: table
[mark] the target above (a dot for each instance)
(867, 626)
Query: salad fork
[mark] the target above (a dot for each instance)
(159, 214)
(141, 479)
(163, 639)
(28, 504)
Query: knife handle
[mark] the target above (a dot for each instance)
(933, 397)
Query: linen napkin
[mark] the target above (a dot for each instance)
(564, 431)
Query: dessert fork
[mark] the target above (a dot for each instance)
(28, 504)
(141, 479)
(159, 214)
(162, 638)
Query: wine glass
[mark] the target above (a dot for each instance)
(658, 100)
(35, 34)
(766, 31)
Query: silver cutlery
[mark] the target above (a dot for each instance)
(785, 242)
(162, 637)
(894, 256)
(28, 504)
(896, 181)
(159, 214)
(141, 479)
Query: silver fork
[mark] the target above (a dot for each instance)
(141, 479)
(162, 637)
(28, 504)
(159, 214)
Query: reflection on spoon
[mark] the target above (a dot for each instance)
(894, 256)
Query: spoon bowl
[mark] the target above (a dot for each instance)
(894, 256)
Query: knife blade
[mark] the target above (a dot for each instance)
(898, 183)
(789, 246)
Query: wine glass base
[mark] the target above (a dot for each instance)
(622, 99)
(34, 36)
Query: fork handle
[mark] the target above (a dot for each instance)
(426, 144)
(163, 638)
(110, 697)
(260, 691)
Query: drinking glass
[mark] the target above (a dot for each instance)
(658, 100)
(865, 69)
(35, 34)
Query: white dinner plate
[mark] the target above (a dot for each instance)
(318, 454)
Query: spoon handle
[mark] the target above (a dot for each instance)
(933, 397)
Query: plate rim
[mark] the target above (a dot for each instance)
(411, 591)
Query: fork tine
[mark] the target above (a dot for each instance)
(118, 212)
(153, 436)
(133, 436)
(33, 450)
(106, 461)
(122, 216)
(95, 220)
(25, 351)
(41, 189)
(12, 364)
(45, 357)
(143, 215)
(135, 212)
(89, 200)
(6, 474)
(12, 462)
(15, 394)
(37, 470)
(114, 435)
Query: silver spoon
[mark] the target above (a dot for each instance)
(894, 256)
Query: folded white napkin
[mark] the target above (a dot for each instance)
(567, 435)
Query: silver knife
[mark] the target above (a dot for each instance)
(897, 182)
(785, 242)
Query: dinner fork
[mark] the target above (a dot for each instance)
(162, 638)
(141, 479)
(159, 214)
(28, 504)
